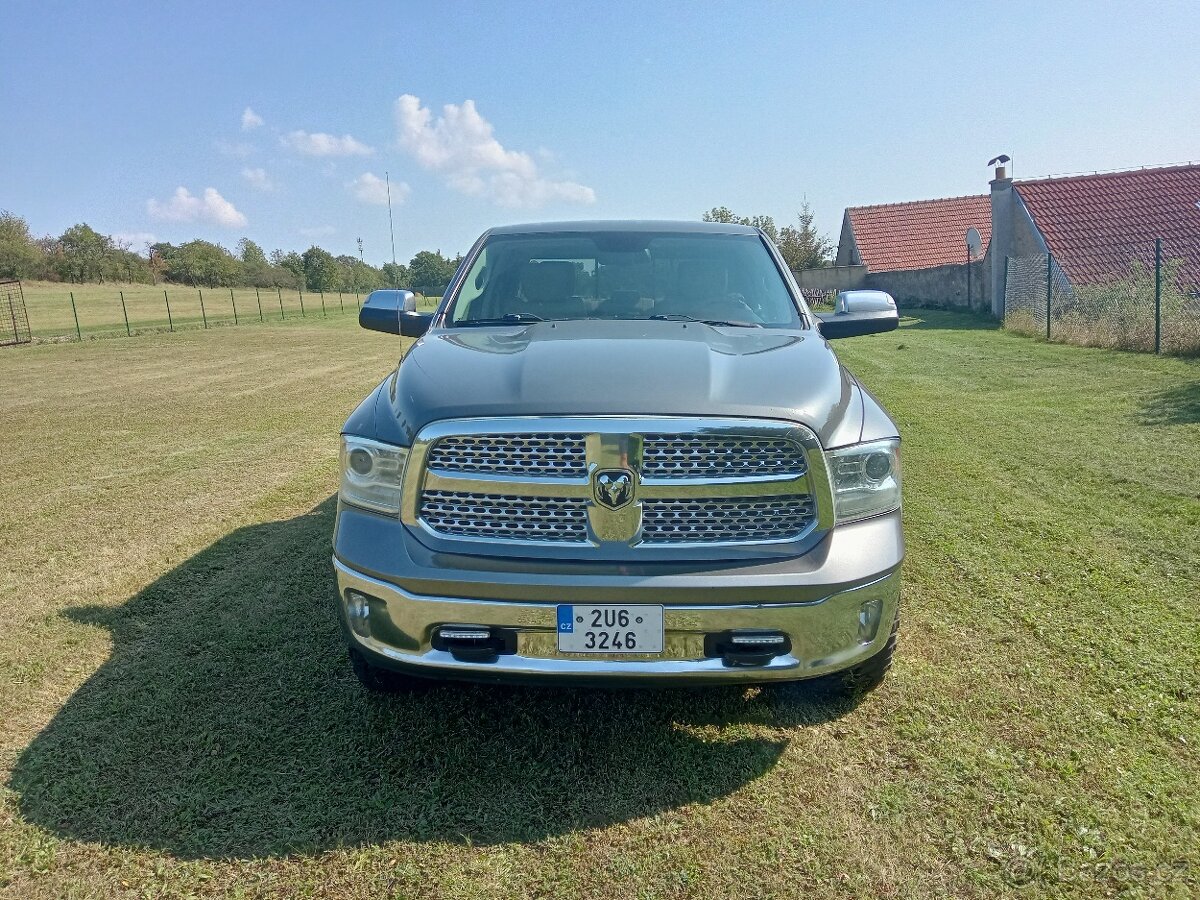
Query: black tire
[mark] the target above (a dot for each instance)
(865, 677)
(379, 680)
(849, 683)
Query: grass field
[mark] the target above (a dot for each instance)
(177, 717)
(100, 314)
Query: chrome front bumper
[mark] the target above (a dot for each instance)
(835, 603)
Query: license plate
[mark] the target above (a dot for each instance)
(610, 629)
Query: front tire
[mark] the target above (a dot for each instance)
(379, 680)
(854, 682)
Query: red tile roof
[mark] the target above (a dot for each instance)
(1096, 224)
(896, 236)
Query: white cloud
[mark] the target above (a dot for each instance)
(183, 207)
(370, 188)
(320, 144)
(258, 179)
(460, 145)
(250, 119)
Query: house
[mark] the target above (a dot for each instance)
(918, 251)
(1096, 226)
(1093, 227)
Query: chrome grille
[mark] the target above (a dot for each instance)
(725, 519)
(539, 455)
(701, 486)
(506, 517)
(719, 456)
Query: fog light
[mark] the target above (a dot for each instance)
(868, 620)
(358, 609)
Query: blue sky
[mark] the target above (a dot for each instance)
(132, 116)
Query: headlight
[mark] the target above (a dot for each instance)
(865, 479)
(371, 474)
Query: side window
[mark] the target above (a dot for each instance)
(473, 288)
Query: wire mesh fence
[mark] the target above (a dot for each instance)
(14, 320)
(63, 312)
(820, 298)
(1150, 302)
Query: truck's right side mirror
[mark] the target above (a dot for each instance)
(393, 312)
(859, 312)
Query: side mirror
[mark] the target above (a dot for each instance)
(859, 312)
(394, 312)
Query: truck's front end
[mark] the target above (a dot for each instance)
(622, 453)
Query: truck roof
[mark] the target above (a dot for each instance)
(625, 225)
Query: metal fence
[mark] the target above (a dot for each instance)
(820, 298)
(1149, 304)
(62, 312)
(14, 320)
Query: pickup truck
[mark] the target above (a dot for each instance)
(621, 453)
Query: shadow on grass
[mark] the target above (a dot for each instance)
(943, 320)
(1178, 405)
(226, 724)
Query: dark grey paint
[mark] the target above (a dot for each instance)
(630, 367)
(616, 368)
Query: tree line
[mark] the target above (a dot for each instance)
(801, 245)
(82, 254)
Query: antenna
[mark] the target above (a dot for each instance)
(391, 228)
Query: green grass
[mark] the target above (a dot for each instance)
(100, 315)
(177, 717)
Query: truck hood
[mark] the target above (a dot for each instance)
(646, 368)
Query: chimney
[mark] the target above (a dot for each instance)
(1001, 247)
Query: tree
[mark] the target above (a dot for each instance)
(320, 269)
(395, 275)
(199, 263)
(84, 250)
(19, 255)
(251, 254)
(802, 246)
(429, 273)
(122, 262)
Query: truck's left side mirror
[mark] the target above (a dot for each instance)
(393, 312)
(859, 312)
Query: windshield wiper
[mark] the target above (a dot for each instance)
(510, 319)
(680, 317)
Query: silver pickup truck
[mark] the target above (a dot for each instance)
(621, 452)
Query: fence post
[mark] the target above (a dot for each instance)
(170, 321)
(1049, 289)
(78, 335)
(340, 303)
(1158, 295)
(303, 314)
(357, 305)
(234, 302)
(259, 299)
(279, 294)
(323, 314)
(203, 314)
(125, 313)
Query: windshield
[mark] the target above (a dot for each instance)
(722, 279)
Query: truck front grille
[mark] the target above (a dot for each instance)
(560, 455)
(693, 483)
(723, 456)
(506, 518)
(725, 519)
